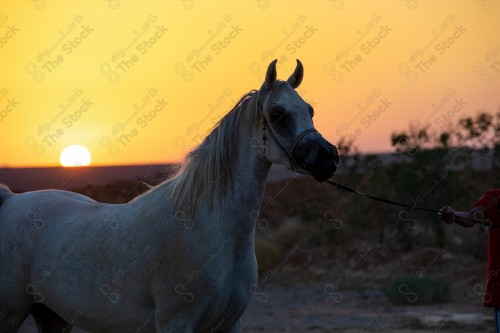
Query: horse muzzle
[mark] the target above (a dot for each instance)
(316, 156)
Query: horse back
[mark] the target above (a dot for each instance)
(26, 217)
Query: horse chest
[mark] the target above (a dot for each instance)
(225, 290)
(227, 306)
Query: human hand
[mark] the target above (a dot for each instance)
(447, 214)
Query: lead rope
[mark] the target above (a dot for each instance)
(400, 204)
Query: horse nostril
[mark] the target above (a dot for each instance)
(323, 154)
(334, 152)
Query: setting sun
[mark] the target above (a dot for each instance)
(75, 155)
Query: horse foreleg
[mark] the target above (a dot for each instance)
(174, 327)
(236, 328)
(13, 310)
(47, 321)
(166, 324)
(11, 320)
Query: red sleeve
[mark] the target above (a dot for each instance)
(490, 201)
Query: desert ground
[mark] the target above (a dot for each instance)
(307, 308)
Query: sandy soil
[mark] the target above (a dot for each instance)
(311, 308)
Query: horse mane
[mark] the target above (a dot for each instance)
(206, 170)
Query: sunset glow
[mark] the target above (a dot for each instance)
(143, 82)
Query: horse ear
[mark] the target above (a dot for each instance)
(270, 74)
(296, 78)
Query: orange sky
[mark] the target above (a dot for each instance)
(88, 73)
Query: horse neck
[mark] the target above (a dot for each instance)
(239, 203)
(250, 175)
(250, 171)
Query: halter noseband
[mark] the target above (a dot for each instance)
(289, 153)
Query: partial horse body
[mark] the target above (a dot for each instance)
(178, 258)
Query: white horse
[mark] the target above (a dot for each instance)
(178, 258)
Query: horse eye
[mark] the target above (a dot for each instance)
(277, 112)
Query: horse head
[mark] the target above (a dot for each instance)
(288, 131)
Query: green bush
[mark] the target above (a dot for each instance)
(268, 254)
(414, 290)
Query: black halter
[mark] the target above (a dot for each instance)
(289, 152)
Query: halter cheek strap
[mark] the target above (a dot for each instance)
(290, 151)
